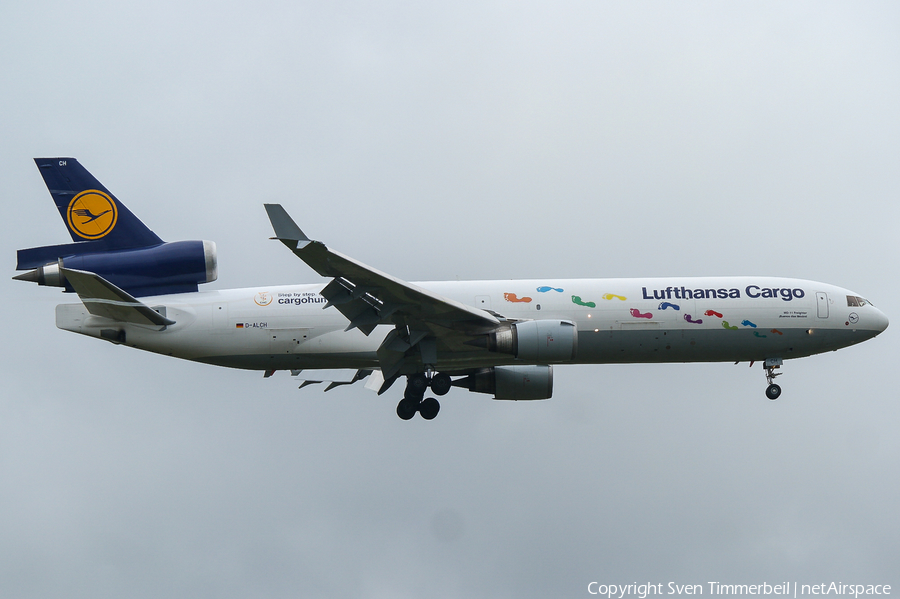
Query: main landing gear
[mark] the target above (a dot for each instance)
(773, 391)
(414, 399)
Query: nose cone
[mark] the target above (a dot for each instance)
(879, 321)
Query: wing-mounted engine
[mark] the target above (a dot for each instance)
(511, 382)
(535, 341)
(174, 267)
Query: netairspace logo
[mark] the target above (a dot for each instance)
(788, 589)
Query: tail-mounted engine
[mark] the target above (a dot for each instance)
(511, 382)
(174, 267)
(536, 341)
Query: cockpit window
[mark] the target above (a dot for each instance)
(855, 301)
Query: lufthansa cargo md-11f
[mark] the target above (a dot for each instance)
(495, 337)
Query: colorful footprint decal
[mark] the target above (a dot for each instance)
(609, 296)
(688, 318)
(777, 332)
(665, 305)
(747, 323)
(577, 301)
(713, 313)
(545, 289)
(511, 297)
(758, 334)
(637, 314)
(728, 326)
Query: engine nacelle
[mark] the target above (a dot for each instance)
(175, 267)
(537, 341)
(511, 382)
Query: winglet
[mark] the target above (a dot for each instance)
(286, 230)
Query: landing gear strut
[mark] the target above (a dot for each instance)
(414, 399)
(773, 391)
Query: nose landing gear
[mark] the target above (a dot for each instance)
(773, 391)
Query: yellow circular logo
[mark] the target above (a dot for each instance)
(92, 214)
(263, 298)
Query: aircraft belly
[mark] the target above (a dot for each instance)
(269, 361)
(635, 346)
(283, 349)
(290, 349)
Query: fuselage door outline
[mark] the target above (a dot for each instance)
(822, 304)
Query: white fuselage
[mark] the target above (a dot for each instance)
(709, 319)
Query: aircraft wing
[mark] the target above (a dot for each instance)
(368, 297)
(102, 298)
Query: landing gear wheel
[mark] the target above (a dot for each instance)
(773, 391)
(429, 408)
(416, 384)
(406, 409)
(441, 383)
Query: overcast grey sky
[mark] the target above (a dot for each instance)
(436, 141)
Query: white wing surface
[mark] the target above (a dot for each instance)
(368, 297)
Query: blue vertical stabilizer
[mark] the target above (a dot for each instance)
(89, 210)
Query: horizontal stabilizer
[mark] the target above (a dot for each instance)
(102, 298)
